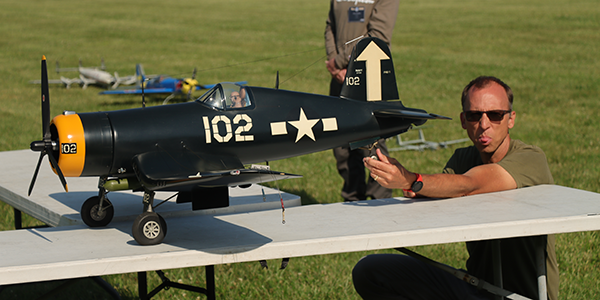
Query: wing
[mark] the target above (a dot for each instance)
(51, 81)
(138, 91)
(186, 170)
(63, 80)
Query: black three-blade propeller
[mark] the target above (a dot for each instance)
(47, 145)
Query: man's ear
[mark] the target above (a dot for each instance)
(463, 121)
(511, 120)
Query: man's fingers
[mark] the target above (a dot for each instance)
(382, 157)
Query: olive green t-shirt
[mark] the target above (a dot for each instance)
(528, 166)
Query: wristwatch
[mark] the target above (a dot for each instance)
(417, 185)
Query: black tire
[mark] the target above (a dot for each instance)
(163, 223)
(89, 212)
(149, 228)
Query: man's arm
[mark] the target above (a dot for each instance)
(481, 179)
(331, 47)
(383, 19)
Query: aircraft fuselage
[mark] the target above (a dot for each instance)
(279, 124)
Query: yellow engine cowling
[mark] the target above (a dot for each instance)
(71, 144)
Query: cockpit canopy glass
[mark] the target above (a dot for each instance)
(227, 96)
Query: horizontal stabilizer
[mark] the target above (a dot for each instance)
(410, 114)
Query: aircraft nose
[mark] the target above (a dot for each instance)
(72, 144)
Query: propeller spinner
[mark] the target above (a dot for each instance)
(188, 85)
(47, 145)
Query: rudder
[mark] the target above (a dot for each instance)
(370, 75)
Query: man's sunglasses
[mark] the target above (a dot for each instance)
(493, 115)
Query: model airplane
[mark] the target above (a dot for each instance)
(163, 84)
(87, 76)
(200, 148)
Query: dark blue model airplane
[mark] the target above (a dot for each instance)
(200, 148)
(162, 84)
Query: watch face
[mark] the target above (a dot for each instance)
(417, 186)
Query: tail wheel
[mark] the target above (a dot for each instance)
(149, 228)
(91, 215)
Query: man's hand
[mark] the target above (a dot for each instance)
(338, 74)
(390, 173)
(331, 67)
(341, 76)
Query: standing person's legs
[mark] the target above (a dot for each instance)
(351, 168)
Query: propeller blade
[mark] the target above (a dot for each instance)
(45, 101)
(45, 146)
(58, 171)
(277, 81)
(194, 74)
(37, 169)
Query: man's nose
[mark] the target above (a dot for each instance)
(484, 121)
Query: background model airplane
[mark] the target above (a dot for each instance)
(162, 84)
(200, 148)
(87, 76)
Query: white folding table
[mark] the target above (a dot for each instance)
(230, 237)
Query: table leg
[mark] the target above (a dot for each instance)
(497, 262)
(540, 257)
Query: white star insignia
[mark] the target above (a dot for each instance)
(304, 126)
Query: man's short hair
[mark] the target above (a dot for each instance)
(484, 81)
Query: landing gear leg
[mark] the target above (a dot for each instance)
(149, 228)
(148, 201)
(97, 211)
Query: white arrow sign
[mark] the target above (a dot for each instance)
(372, 56)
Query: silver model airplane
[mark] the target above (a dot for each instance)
(87, 76)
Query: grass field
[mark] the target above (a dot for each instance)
(547, 51)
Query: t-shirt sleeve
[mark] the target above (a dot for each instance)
(528, 167)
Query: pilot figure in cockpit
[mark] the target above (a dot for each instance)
(237, 100)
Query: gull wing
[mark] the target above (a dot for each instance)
(187, 170)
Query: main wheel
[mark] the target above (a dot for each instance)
(149, 228)
(90, 212)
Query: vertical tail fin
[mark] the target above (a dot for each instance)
(370, 75)
(139, 74)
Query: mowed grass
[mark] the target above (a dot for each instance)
(547, 51)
